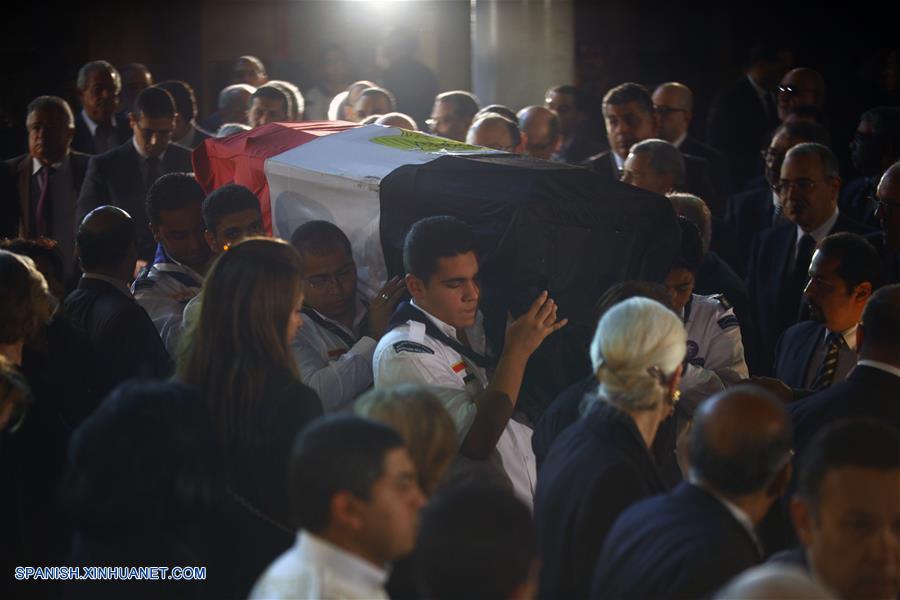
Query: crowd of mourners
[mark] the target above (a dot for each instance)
(179, 388)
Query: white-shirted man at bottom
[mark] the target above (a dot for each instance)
(442, 271)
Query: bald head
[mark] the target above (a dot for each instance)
(674, 105)
(800, 87)
(397, 119)
(888, 214)
(106, 242)
(541, 128)
(741, 440)
(494, 131)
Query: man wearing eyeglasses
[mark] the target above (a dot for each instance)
(780, 258)
(800, 87)
(497, 132)
(452, 114)
(887, 211)
(122, 176)
(874, 148)
(335, 346)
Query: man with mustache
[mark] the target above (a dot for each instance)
(777, 273)
(817, 353)
(98, 128)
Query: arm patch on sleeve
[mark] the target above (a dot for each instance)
(412, 347)
(728, 321)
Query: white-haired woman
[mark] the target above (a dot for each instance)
(602, 463)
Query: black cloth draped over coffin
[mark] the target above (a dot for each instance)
(539, 225)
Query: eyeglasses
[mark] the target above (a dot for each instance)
(666, 110)
(433, 123)
(791, 90)
(803, 185)
(321, 281)
(884, 207)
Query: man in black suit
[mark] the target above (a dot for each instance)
(674, 105)
(47, 179)
(756, 209)
(98, 128)
(847, 508)
(875, 147)
(873, 387)
(776, 275)
(887, 241)
(576, 143)
(691, 541)
(186, 133)
(630, 118)
(122, 176)
(820, 352)
(120, 331)
(742, 117)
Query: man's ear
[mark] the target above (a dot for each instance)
(863, 291)
(415, 286)
(154, 229)
(211, 242)
(132, 120)
(344, 508)
(802, 517)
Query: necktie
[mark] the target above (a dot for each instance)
(825, 375)
(103, 138)
(42, 212)
(778, 215)
(152, 171)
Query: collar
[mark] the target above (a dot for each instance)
(849, 336)
(92, 124)
(822, 231)
(348, 567)
(37, 165)
(739, 515)
(116, 283)
(358, 316)
(680, 140)
(449, 330)
(881, 366)
(619, 162)
(163, 262)
(142, 154)
(686, 311)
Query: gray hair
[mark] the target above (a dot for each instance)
(230, 92)
(52, 103)
(665, 159)
(636, 342)
(830, 167)
(695, 210)
(231, 128)
(296, 103)
(93, 67)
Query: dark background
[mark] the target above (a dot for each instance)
(702, 44)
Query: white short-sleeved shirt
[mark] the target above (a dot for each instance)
(337, 370)
(715, 351)
(407, 354)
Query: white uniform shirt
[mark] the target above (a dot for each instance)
(715, 351)
(163, 289)
(338, 371)
(407, 354)
(314, 568)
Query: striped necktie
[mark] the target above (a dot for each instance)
(825, 375)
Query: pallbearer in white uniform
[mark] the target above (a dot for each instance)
(437, 339)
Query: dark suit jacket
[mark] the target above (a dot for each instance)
(578, 149)
(855, 201)
(696, 176)
(596, 469)
(685, 544)
(83, 141)
(867, 392)
(21, 166)
(739, 127)
(122, 335)
(115, 178)
(718, 164)
(890, 258)
(775, 307)
(749, 213)
(794, 350)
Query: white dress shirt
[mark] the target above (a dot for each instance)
(315, 568)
